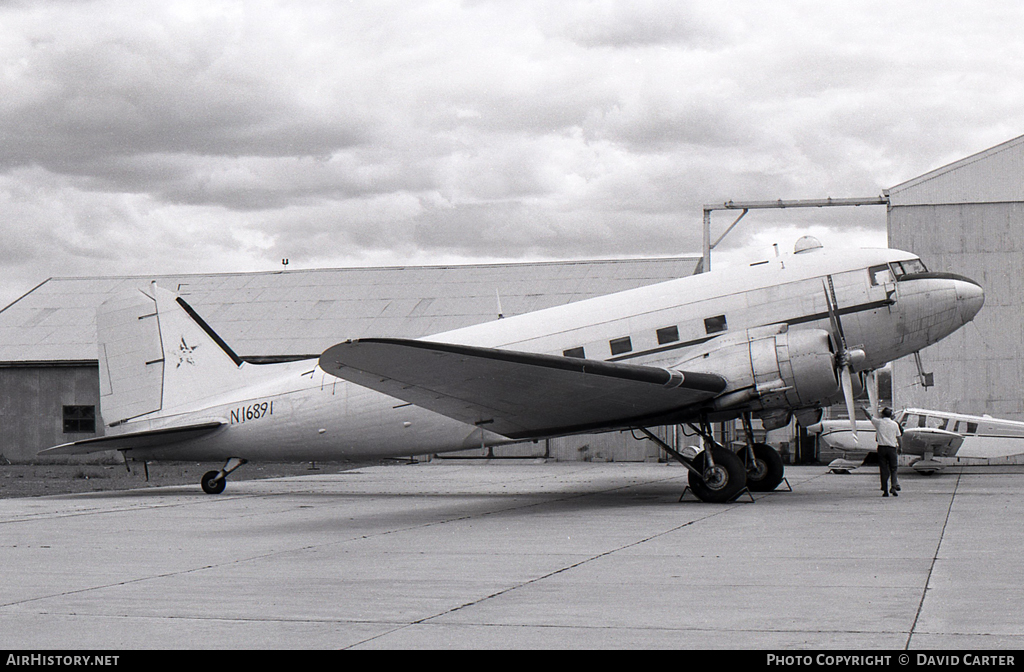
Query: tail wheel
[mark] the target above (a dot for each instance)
(211, 484)
(765, 474)
(721, 482)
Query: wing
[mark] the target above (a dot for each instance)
(518, 394)
(145, 439)
(921, 440)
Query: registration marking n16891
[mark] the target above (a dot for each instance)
(260, 409)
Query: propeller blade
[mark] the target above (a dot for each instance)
(833, 313)
(871, 382)
(843, 353)
(847, 382)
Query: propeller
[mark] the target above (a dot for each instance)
(845, 356)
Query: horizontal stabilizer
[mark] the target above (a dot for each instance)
(151, 438)
(518, 394)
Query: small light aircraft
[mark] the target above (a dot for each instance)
(777, 339)
(927, 435)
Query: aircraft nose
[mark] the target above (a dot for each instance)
(970, 298)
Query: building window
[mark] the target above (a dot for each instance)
(715, 325)
(668, 335)
(79, 419)
(574, 352)
(621, 345)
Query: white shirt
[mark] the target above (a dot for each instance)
(887, 431)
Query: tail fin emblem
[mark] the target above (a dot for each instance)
(185, 353)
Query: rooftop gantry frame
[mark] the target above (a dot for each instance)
(746, 206)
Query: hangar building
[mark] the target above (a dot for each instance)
(49, 380)
(968, 218)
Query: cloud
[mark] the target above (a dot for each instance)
(223, 136)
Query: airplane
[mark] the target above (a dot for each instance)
(774, 340)
(926, 435)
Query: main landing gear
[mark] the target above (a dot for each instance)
(718, 475)
(765, 469)
(214, 482)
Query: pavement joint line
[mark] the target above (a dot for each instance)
(481, 624)
(36, 517)
(425, 619)
(445, 521)
(239, 561)
(545, 500)
(541, 612)
(931, 567)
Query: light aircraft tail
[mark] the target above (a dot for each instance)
(157, 356)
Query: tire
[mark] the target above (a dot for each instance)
(767, 471)
(725, 480)
(211, 484)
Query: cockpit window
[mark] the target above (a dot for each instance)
(901, 268)
(881, 275)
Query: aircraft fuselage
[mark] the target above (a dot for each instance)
(295, 411)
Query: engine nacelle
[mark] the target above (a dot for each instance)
(770, 368)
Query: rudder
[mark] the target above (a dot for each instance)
(131, 360)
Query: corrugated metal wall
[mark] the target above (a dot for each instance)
(978, 369)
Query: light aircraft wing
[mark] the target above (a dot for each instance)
(923, 440)
(144, 439)
(517, 394)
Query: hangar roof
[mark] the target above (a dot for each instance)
(991, 176)
(271, 315)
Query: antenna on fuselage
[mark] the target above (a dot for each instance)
(925, 379)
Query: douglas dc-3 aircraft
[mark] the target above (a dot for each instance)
(776, 339)
(927, 435)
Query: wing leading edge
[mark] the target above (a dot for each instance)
(923, 440)
(516, 394)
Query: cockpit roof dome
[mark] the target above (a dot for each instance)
(806, 244)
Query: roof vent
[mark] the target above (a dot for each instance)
(806, 244)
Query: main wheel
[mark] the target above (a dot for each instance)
(211, 484)
(766, 472)
(721, 482)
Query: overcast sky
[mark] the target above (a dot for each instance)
(153, 137)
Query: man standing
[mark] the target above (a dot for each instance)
(887, 434)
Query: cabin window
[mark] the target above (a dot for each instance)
(914, 420)
(972, 428)
(881, 275)
(574, 352)
(668, 335)
(621, 345)
(935, 423)
(79, 419)
(715, 325)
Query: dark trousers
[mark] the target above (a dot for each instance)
(887, 464)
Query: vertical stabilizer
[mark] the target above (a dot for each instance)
(157, 356)
(198, 365)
